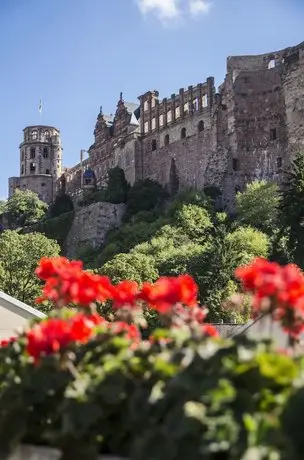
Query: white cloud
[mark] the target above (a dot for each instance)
(164, 9)
(199, 7)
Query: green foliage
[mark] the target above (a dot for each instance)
(19, 256)
(145, 195)
(249, 243)
(117, 188)
(292, 209)
(132, 266)
(3, 205)
(258, 205)
(94, 196)
(194, 220)
(25, 208)
(188, 197)
(63, 203)
(57, 228)
(194, 398)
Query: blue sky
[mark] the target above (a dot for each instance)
(80, 54)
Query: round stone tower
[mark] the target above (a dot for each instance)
(40, 162)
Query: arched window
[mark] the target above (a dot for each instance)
(34, 135)
(33, 153)
(271, 64)
(200, 126)
(45, 152)
(183, 133)
(153, 144)
(46, 135)
(169, 116)
(167, 139)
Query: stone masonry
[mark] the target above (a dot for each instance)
(91, 225)
(250, 129)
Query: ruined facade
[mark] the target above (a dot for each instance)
(249, 129)
(40, 162)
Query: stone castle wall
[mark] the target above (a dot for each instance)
(250, 129)
(91, 225)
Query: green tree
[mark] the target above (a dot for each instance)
(258, 205)
(2, 206)
(292, 209)
(132, 266)
(117, 187)
(194, 220)
(145, 195)
(250, 243)
(25, 208)
(63, 203)
(19, 256)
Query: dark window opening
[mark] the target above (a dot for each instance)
(22, 155)
(273, 134)
(42, 184)
(154, 144)
(183, 133)
(200, 126)
(47, 171)
(167, 139)
(45, 152)
(33, 153)
(22, 169)
(235, 164)
(279, 162)
(32, 167)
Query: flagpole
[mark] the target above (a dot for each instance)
(40, 109)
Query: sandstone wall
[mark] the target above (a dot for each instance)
(91, 225)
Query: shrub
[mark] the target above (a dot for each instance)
(87, 386)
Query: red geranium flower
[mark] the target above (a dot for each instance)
(125, 294)
(168, 291)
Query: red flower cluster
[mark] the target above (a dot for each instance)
(66, 282)
(55, 334)
(6, 342)
(278, 290)
(168, 291)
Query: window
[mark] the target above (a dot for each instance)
(146, 127)
(32, 167)
(200, 126)
(235, 164)
(186, 107)
(33, 153)
(153, 144)
(272, 64)
(34, 135)
(42, 184)
(167, 139)
(273, 134)
(146, 106)
(22, 169)
(279, 162)
(169, 116)
(22, 155)
(45, 152)
(153, 123)
(46, 135)
(183, 133)
(177, 112)
(195, 105)
(47, 171)
(161, 120)
(153, 102)
(205, 101)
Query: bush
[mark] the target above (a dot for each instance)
(63, 203)
(145, 195)
(87, 386)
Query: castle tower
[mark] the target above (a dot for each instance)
(40, 162)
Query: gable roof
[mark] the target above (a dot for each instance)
(19, 308)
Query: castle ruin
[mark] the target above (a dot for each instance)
(250, 129)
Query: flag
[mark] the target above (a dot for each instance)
(40, 106)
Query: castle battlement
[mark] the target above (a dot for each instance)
(249, 130)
